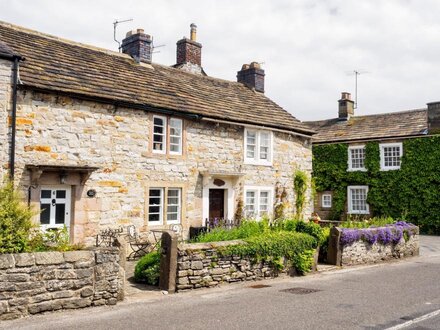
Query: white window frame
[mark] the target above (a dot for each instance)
(350, 202)
(382, 156)
(66, 201)
(179, 152)
(350, 159)
(161, 205)
(165, 140)
(258, 190)
(324, 201)
(256, 159)
(179, 206)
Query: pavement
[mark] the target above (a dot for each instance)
(397, 295)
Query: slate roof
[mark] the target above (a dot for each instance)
(371, 127)
(6, 51)
(60, 65)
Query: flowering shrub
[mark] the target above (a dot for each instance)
(391, 233)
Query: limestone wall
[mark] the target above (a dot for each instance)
(58, 130)
(362, 252)
(201, 265)
(32, 283)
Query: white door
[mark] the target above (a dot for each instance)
(54, 207)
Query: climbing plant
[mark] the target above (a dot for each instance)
(300, 183)
(411, 193)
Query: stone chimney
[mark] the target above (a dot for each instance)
(346, 106)
(252, 76)
(434, 117)
(138, 45)
(189, 53)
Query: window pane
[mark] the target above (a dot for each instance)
(357, 158)
(173, 204)
(250, 203)
(251, 141)
(45, 214)
(154, 217)
(358, 200)
(46, 193)
(392, 156)
(175, 135)
(264, 203)
(155, 205)
(158, 134)
(61, 194)
(60, 210)
(264, 145)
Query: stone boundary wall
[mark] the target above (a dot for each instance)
(361, 252)
(32, 283)
(201, 265)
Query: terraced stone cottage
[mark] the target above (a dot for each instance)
(96, 138)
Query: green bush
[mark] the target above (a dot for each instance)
(15, 221)
(271, 247)
(148, 269)
(246, 229)
(323, 247)
(52, 240)
(301, 226)
(375, 221)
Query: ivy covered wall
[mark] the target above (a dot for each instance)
(413, 192)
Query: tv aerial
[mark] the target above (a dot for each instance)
(356, 73)
(115, 24)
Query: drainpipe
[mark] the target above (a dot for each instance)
(14, 116)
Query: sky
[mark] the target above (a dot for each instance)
(308, 49)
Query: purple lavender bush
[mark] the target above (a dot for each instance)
(391, 233)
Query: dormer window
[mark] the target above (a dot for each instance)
(258, 147)
(167, 135)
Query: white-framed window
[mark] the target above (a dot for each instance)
(155, 206)
(158, 210)
(159, 134)
(175, 136)
(258, 201)
(55, 202)
(390, 156)
(258, 147)
(357, 200)
(356, 158)
(326, 200)
(174, 205)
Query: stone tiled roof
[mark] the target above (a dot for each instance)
(6, 51)
(60, 65)
(387, 125)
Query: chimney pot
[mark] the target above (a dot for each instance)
(138, 45)
(252, 76)
(193, 33)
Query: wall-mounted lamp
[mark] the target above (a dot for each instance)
(63, 177)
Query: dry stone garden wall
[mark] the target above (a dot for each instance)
(202, 265)
(32, 283)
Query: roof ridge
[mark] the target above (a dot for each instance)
(369, 115)
(60, 39)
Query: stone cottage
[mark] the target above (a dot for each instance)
(96, 138)
(384, 164)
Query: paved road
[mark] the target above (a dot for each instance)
(376, 297)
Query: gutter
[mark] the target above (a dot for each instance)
(16, 59)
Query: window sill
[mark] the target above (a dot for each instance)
(357, 170)
(384, 169)
(254, 162)
(358, 213)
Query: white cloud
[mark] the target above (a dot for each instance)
(307, 46)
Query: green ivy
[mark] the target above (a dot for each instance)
(411, 193)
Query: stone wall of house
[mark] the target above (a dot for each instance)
(59, 130)
(201, 265)
(5, 92)
(361, 252)
(32, 283)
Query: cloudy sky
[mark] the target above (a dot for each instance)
(309, 48)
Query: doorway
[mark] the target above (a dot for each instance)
(216, 203)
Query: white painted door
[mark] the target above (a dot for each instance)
(55, 206)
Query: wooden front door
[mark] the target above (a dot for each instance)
(216, 203)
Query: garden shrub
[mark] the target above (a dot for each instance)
(147, 269)
(246, 229)
(51, 240)
(15, 221)
(300, 183)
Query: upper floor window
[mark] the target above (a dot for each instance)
(164, 128)
(258, 201)
(357, 200)
(258, 147)
(390, 156)
(356, 158)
